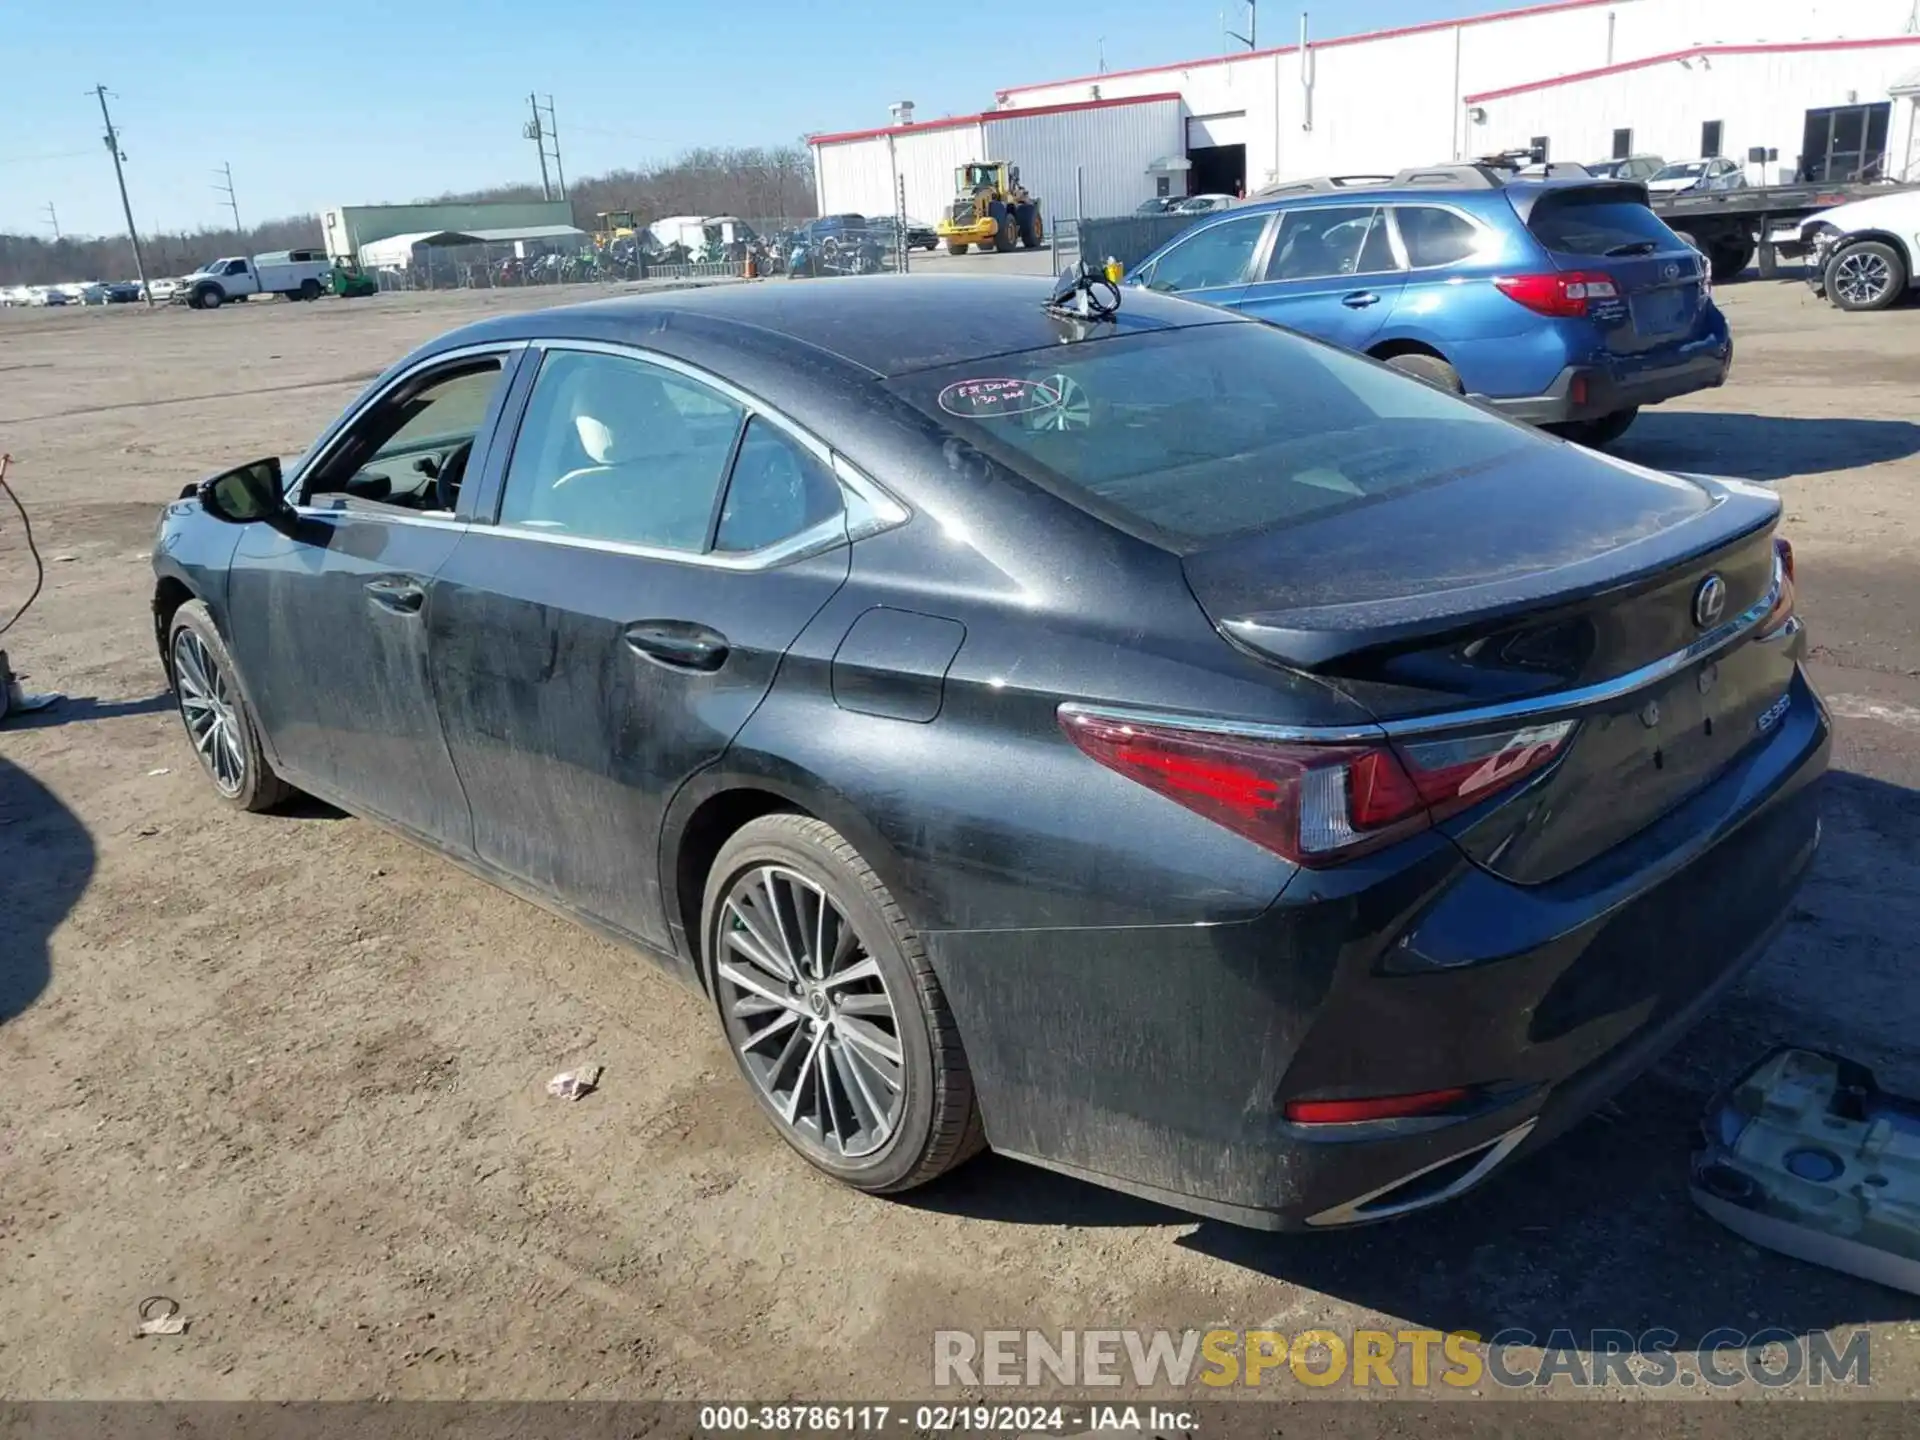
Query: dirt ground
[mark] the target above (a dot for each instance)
(289, 1070)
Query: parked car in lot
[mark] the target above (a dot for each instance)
(1564, 303)
(1158, 204)
(1026, 732)
(123, 292)
(1688, 177)
(1205, 204)
(1863, 254)
(1634, 167)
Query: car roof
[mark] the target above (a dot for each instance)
(1522, 192)
(884, 324)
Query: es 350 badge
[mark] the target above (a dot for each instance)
(1774, 713)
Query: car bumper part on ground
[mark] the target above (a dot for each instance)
(1589, 392)
(1158, 1060)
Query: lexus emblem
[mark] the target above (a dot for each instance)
(1670, 271)
(1709, 602)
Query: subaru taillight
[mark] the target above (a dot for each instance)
(1315, 804)
(1559, 293)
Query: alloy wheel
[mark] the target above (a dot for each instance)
(207, 705)
(1862, 277)
(806, 1006)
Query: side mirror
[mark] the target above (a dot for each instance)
(247, 494)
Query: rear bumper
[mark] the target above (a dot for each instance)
(1589, 392)
(1158, 1060)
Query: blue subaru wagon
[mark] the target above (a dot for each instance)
(1566, 303)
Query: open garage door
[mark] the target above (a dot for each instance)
(1217, 146)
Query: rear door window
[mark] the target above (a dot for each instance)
(1596, 222)
(1215, 256)
(614, 448)
(1339, 240)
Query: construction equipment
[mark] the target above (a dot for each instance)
(350, 281)
(612, 225)
(990, 208)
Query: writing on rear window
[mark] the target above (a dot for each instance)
(986, 399)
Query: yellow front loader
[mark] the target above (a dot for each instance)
(991, 209)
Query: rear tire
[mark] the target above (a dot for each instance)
(1869, 276)
(1600, 433)
(1432, 369)
(956, 247)
(799, 879)
(1730, 261)
(218, 721)
(309, 289)
(1024, 218)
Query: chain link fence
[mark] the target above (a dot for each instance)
(767, 247)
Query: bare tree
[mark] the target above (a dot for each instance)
(756, 183)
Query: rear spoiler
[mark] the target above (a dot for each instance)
(1321, 637)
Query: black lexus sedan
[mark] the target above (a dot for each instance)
(1152, 744)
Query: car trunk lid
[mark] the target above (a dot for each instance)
(1525, 595)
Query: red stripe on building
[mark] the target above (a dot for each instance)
(1785, 47)
(1366, 37)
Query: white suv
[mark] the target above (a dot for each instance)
(1863, 254)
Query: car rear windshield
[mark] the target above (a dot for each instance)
(1190, 436)
(1597, 222)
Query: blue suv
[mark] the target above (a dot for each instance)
(1567, 303)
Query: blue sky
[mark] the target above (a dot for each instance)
(359, 102)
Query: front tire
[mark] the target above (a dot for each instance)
(1869, 276)
(218, 721)
(832, 1011)
(309, 289)
(956, 247)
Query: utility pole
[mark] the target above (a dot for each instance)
(535, 131)
(126, 205)
(1253, 23)
(226, 171)
(53, 220)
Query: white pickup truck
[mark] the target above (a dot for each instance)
(296, 274)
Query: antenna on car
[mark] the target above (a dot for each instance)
(1085, 293)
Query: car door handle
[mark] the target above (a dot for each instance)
(678, 644)
(401, 597)
(1360, 300)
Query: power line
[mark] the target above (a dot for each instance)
(53, 219)
(112, 138)
(226, 171)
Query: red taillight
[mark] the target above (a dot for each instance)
(1559, 293)
(1384, 1107)
(1315, 804)
(1783, 548)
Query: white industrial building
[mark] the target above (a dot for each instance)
(1830, 88)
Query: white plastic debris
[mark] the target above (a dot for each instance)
(159, 1316)
(163, 770)
(572, 1084)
